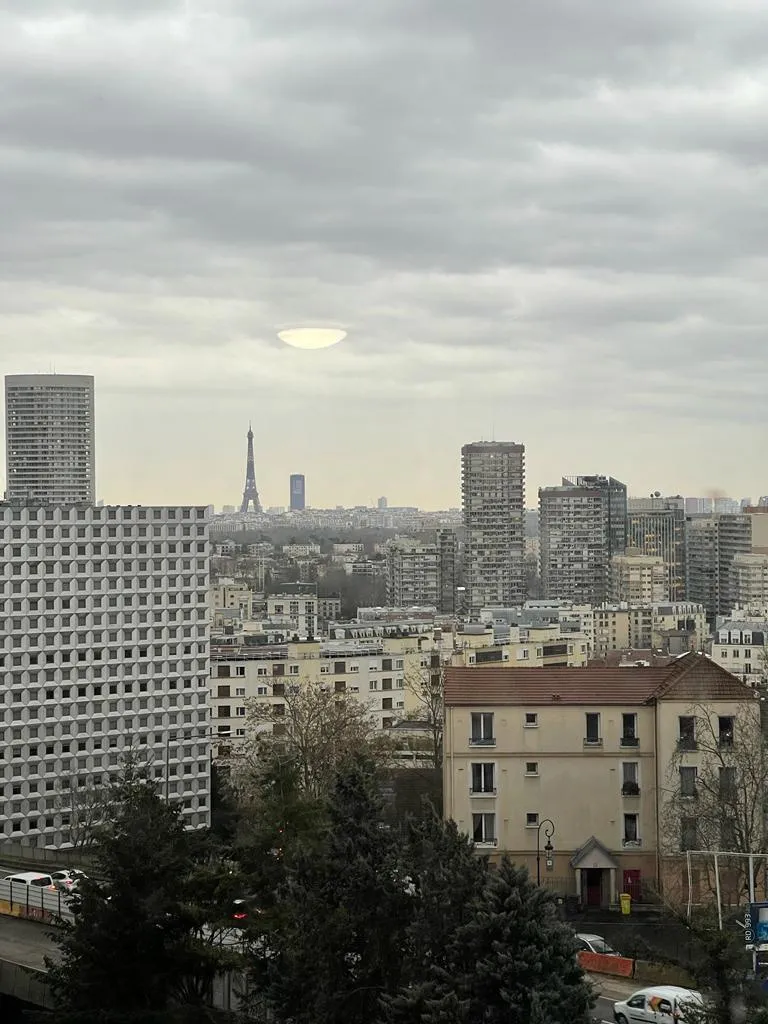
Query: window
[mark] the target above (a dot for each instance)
(531, 719)
(531, 767)
(688, 782)
(482, 729)
(725, 730)
(686, 732)
(631, 835)
(629, 730)
(532, 819)
(727, 783)
(484, 829)
(630, 781)
(483, 778)
(593, 728)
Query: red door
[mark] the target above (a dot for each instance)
(632, 883)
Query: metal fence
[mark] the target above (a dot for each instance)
(35, 902)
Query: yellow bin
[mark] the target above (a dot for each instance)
(626, 902)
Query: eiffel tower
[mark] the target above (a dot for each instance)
(251, 493)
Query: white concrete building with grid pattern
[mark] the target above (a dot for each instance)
(104, 626)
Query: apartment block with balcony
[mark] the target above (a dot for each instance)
(637, 579)
(712, 544)
(749, 580)
(422, 573)
(373, 670)
(588, 750)
(582, 525)
(493, 492)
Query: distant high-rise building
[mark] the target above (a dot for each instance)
(250, 492)
(382, 503)
(582, 525)
(656, 526)
(699, 506)
(298, 492)
(423, 572)
(50, 443)
(493, 491)
(712, 543)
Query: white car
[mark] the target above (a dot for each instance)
(30, 878)
(588, 943)
(67, 879)
(660, 1004)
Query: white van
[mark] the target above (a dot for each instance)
(659, 1004)
(30, 878)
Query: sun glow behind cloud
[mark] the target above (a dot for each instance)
(312, 337)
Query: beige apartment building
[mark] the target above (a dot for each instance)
(374, 670)
(542, 646)
(638, 579)
(591, 756)
(228, 595)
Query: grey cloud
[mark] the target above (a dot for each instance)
(558, 197)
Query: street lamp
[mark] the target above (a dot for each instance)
(549, 830)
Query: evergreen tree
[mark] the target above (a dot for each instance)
(336, 945)
(447, 875)
(137, 951)
(513, 962)
(279, 822)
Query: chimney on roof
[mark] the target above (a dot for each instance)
(555, 698)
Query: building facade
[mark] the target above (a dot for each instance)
(739, 645)
(50, 439)
(587, 755)
(295, 609)
(712, 543)
(298, 492)
(749, 580)
(656, 527)
(105, 625)
(637, 579)
(422, 572)
(493, 493)
(582, 525)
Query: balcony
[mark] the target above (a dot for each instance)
(629, 741)
(482, 741)
(630, 789)
(483, 792)
(480, 843)
(593, 741)
(631, 843)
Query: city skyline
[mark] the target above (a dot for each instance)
(555, 243)
(278, 479)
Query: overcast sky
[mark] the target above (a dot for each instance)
(543, 220)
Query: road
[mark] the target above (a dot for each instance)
(24, 942)
(603, 1010)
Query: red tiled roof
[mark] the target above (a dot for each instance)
(692, 677)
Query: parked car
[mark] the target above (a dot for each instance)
(31, 879)
(595, 944)
(66, 880)
(660, 1004)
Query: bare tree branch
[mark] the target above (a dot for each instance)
(715, 795)
(426, 687)
(312, 725)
